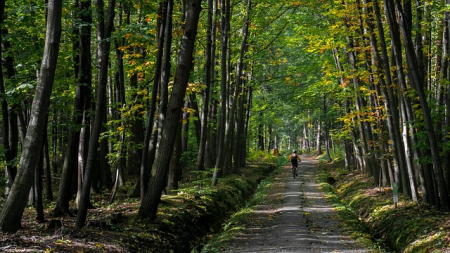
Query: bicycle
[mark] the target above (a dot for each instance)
(294, 170)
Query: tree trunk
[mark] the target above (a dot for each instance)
(398, 148)
(15, 203)
(152, 196)
(47, 169)
(319, 137)
(224, 29)
(145, 164)
(185, 126)
(197, 123)
(209, 69)
(238, 100)
(100, 109)
(11, 171)
(175, 168)
(82, 95)
(38, 204)
(165, 70)
(418, 86)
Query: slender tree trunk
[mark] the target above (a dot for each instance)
(165, 70)
(319, 137)
(82, 95)
(399, 155)
(197, 123)
(208, 83)
(224, 29)
(99, 109)
(46, 165)
(152, 196)
(418, 86)
(14, 205)
(38, 204)
(175, 169)
(185, 126)
(239, 88)
(145, 163)
(11, 171)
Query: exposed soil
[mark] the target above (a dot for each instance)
(304, 221)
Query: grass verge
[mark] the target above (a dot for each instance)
(371, 217)
(266, 193)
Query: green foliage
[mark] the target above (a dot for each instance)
(188, 158)
(259, 156)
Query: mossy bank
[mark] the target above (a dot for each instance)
(370, 213)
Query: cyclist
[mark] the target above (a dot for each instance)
(294, 159)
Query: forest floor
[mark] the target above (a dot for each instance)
(184, 219)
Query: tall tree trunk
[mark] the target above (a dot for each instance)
(224, 29)
(211, 147)
(14, 205)
(11, 171)
(82, 95)
(145, 164)
(134, 153)
(85, 83)
(100, 109)
(399, 155)
(165, 69)
(240, 87)
(418, 86)
(210, 34)
(326, 130)
(151, 199)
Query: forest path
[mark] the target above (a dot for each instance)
(303, 222)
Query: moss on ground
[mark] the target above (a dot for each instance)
(184, 221)
(370, 211)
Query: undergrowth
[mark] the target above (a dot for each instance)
(370, 213)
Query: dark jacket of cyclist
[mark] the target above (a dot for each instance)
(294, 158)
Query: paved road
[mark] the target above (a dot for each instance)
(304, 222)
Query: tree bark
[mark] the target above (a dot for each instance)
(224, 29)
(145, 164)
(15, 203)
(82, 96)
(238, 101)
(103, 53)
(152, 196)
(175, 169)
(418, 85)
(11, 170)
(210, 34)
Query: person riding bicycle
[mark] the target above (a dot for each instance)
(294, 159)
